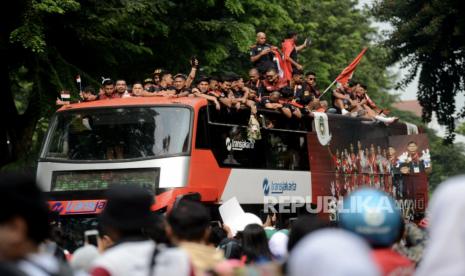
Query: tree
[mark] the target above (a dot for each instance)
(429, 37)
(461, 129)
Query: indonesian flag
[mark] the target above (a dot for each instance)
(346, 74)
(78, 79)
(280, 63)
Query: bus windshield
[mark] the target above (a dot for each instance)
(119, 133)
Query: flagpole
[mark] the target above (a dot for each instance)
(326, 90)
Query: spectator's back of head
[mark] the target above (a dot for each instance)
(304, 225)
(83, 258)
(232, 248)
(255, 243)
(332, 252)
(24, 211)
(128, 209)
(189, 221)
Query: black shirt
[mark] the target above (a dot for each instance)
(264, 62)
(266, 100)
(304, 97)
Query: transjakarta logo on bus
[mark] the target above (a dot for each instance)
(232, 144)
(278, 187)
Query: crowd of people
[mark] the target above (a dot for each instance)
(277, 82)
(132, 240)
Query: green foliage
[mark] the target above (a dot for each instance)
(461, 129)
(447, 159)
(428, 37)
(31, 37)
(55, 6)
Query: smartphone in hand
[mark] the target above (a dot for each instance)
(91, 237)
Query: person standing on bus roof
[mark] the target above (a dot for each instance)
(261, 54)
(290, 50)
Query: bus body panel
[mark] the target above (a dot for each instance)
(267, 186)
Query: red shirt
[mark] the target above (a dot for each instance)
(270, 87)
(288, 46)
(392, 263)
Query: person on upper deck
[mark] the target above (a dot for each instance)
(341, 98)
(149, 85)
(107, 91)
(166, 83)
(272, 82)
(261, 54)
(240, 95)
(290, 50)
(156, 77)
(121, 89)
(181, 89)
(202, 90)
(88, 94)
(254, 83)
(223, 91)
(310, 84)
(274, 102)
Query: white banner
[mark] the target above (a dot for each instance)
(320, 122)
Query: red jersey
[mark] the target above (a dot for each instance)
(270, 87)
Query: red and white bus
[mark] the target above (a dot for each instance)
(179, 146)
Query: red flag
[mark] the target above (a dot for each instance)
(287, 46)
(346, 74)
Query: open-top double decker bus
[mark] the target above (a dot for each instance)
(179, 146)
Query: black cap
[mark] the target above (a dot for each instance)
(182, 76)
(148, 80)
(128, 208)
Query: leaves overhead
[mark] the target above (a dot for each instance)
(429, 38)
